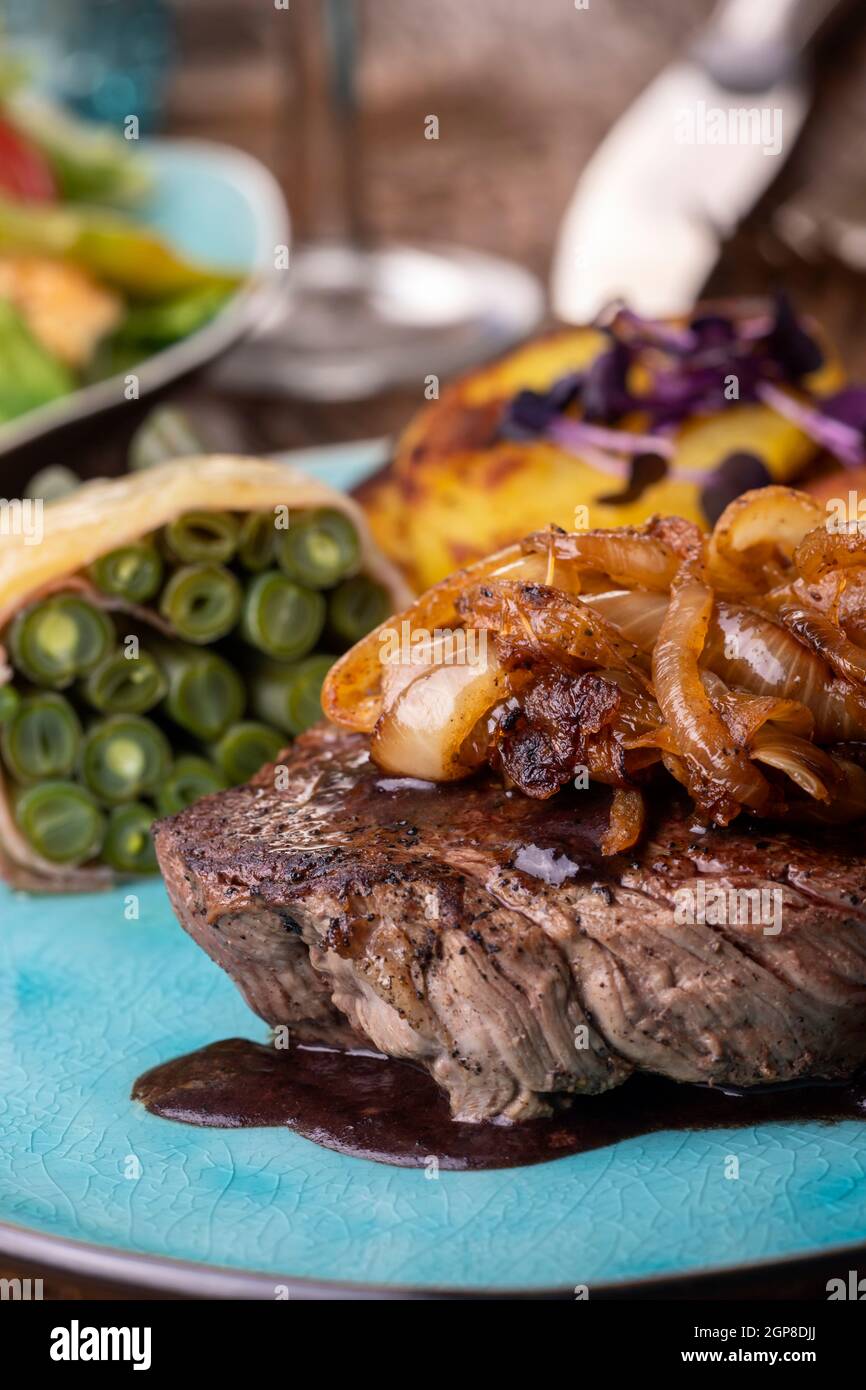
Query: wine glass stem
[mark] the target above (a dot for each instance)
(325, 181)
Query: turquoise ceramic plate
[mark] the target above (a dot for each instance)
(91, 995)
(219, 206)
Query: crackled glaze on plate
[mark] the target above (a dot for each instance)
(88, 1000)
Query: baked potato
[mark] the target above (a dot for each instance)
(457, 489)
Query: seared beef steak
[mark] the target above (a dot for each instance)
(482, 934)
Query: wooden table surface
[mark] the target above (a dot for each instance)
(523, 94)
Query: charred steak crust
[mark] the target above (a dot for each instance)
(483, 935)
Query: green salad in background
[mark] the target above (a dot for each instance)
(86, 288)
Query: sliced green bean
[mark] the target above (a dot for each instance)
(205, 693)
(256, 541)
(124, 758)
(190, 779)
(42, 738)
(244, 748)
(61, 821)
(202, 602)
(319, 548)
(289, 696)
(132, 572)
(59, 638)
(53, 482)
(356, 607)
(202, 536)
(165, 433)
(123, 684)
(10, 700)
(128, 845)
(280, 617)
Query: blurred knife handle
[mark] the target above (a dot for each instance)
(748, 46)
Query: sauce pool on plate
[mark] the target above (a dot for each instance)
(391, 1112)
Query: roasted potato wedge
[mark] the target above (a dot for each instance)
(455, 491)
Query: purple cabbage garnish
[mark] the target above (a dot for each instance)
(656, 333)
(602, 460)
(605, 396)
(712, 331)
(838, 438)
(738, 473)
(530, 413)
(689, 371)
(644, 470)
(790, 345)
(848, 406)
(573, 434)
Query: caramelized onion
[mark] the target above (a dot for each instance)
(636, 613)
(752, 651)
(423, 732)
(699, 731)
(734, 662)
(754, 529)
(745, 714)
(828, 639)
(351, 695)
(550, 618)
(638, 708)
(419, 653)
(822, 551)
(538, 568)
(848, 802)
(839, 595)
(748, 649)
(629, 557)
(809, 767)
(658, 737)
(627, 817)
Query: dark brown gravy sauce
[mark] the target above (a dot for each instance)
(391, 1112)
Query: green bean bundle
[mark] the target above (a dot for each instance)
(202, 602)
(128, 845)
(280, 617)
(124, 684)
(205, 693)
(124, 757)
(202, 537)
(256, 542)
(41, 739)
(62, 821)
(9, 702)
(289, 696)
(163, 643)
(132, 572)
(319, 548)
(58, 639)
(191, 778)
(244, 748)
(355, 607)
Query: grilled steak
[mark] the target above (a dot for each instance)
(482, 934)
